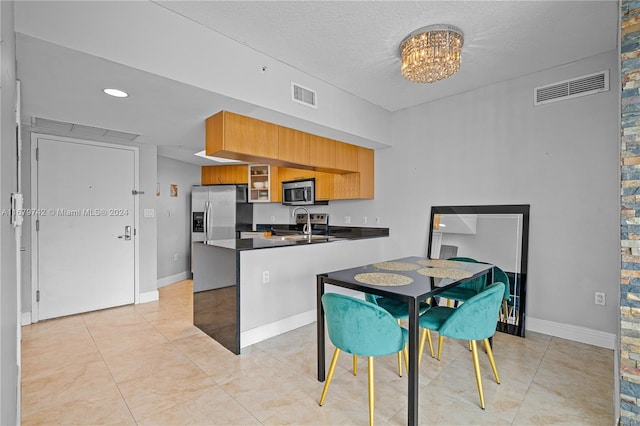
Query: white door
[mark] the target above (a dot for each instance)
(85, 231)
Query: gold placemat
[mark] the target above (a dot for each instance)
(383, 279)
(396, 266)
(440, 263)
(445, 273)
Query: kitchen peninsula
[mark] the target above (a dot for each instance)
(248, 290)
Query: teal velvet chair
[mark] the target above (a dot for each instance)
(499, 276)
(469, 289)
(466, 290)
(475, 319)
(399, 310)
(361, 328)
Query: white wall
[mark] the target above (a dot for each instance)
(9, 377)
(174, 233)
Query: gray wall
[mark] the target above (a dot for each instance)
(174, 234)
(148, 235)
(8, 183)
(492, 146)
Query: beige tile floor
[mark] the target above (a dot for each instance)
(147, 364)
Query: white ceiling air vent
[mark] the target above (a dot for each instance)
(580, 86)
(304, 95)
(80, 130)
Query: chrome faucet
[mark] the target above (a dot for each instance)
(306, 230)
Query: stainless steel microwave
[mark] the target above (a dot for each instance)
(299, 192)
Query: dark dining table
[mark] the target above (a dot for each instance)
(418, 290)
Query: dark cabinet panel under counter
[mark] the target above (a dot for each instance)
(216, 293)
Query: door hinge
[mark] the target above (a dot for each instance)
(37, 295)
(135, 232)
(37, 154)
(37, 225)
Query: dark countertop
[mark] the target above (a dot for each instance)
(335, 234)
(350, 232)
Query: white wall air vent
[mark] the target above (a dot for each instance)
(580, 86)
(304, 95)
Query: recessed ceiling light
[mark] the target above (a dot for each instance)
(115, 92)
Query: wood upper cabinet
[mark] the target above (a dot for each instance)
(322, 152)
(293, 145)
(356, 185)
(324, 186)
(342, 171)
(276, 184)
(346, 157)
(366, 166)
(287, 173)
(213, 175)
(238, 137)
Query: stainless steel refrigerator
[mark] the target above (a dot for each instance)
(220, 212)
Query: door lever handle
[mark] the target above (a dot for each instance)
(127, 233)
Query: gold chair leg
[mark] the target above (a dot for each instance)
(476, 367)
(399, 358)
(332, 367)
(426, 334)
(440, 340)
(430, 343)
(505, 310)
(405, 351)
(371, 391)
(355, 365)
(487, 346)
(423, 337)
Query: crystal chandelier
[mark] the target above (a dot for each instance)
(431, 53)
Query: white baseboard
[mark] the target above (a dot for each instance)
(149, 296)
(264, 332)
(25, 318)
(572, 332)
(174, 278)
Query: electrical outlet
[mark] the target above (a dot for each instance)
(347, 219)
(273, 219)
(364, 220)
(265, 277)
(377, 221)
(600, 298)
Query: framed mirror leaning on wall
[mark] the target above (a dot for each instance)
(495, 234)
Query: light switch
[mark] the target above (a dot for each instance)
(149, 213)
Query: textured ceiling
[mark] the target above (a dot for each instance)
(354, 45)
(350, 45)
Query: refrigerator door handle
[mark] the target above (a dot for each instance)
(206, 220)
(208, 212)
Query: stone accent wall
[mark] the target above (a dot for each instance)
(630, 214)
